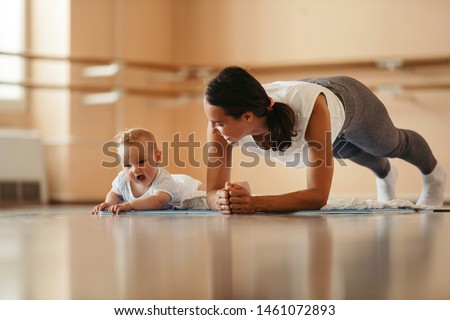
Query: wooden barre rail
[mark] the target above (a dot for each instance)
(394, 62)
(163, 93)
(98, 61)
(197, 73)
(382, 63)
(195, 93)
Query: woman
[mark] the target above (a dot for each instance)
(304, 124)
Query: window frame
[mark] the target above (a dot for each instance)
(19, 105)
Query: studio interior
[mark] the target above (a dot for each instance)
(74, 73)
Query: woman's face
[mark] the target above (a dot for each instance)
(230, 128)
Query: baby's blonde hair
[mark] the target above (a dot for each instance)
(130, 136)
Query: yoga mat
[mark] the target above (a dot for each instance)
(161, 212)
(300, 212)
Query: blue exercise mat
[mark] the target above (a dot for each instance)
(300, 212)
(158, 212)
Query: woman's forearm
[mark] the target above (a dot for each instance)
(308, 199)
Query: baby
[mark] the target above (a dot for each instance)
(142, 185)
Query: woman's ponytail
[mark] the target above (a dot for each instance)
(281, 123)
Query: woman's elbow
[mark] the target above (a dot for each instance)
(211, 199)
(318, 200)
(321, 203)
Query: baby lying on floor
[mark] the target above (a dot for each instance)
(142, 185)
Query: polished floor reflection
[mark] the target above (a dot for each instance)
(62, 252)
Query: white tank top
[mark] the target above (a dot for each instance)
(301, 97)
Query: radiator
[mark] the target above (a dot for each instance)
(22, 168)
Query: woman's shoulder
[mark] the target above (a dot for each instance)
(291, 91)
(289, 85)
(281, 85)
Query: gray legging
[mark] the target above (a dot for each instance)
(368, 136)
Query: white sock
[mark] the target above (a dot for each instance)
(433, 188)
(386, 186)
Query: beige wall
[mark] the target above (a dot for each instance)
(261, 32)
(202, 33)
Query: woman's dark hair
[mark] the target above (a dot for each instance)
(237, 91)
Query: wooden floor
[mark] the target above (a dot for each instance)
(62, 252)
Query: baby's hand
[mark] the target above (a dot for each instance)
(118, 208)
(102, 206)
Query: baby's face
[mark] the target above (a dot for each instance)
(140, 161)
